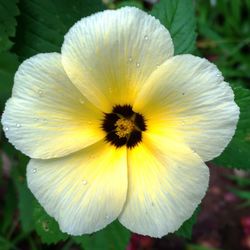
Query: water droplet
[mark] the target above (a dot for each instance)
(107, 217)
(84, 182)
(34, 170)
(45, 226)
(130, 59)
(81, 101)
(183, 123)
(6, 129)
(138, 65)
(18, 125)
(146, 37)
(40, 93)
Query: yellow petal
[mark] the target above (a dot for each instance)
(166, 183)
(47, 116)
(109, 55)
(84, 191)
(186, 99)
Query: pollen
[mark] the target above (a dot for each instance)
(124, 127)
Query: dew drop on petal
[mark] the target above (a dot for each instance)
(107, 217)
(183, 123)
(110, 90)
(18, 125)
(84, 182)
(130, 59)
(34, 170)
(137, 65)
(146, 37)
(40, 93)
(81, 101)
(6, 129)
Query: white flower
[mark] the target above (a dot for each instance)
(118, 127)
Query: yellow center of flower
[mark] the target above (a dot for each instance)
(124, 127)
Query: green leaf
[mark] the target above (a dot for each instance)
(186, 229)
(8, 13)
(178, 17)
(43, 24)
(133, 3)
(236, 155)
(113, 237)
(241, 193)
(25, 197)
(25, 204)
(46, 227)
(8, 67)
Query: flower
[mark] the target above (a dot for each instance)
(119, 127)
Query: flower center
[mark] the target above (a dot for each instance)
(123, 126)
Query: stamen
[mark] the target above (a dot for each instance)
(124, 127)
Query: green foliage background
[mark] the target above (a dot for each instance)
(28, 27)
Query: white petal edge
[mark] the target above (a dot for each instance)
(47, 116)
(166, 183)
(109, 55)
(85, 191)
(187, 99)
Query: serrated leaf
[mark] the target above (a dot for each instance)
(113, 237)
(46, 227)
(236, 155)
(186, 229)
(43, 24)
(8, 13)
(179, 18)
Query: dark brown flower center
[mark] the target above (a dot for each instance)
(123, 126)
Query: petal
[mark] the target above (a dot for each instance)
(166, 183)
(47, 116)
(186, 99)
(109, 55)
(84, 191)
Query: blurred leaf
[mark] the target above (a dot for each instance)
(241, 181)
(241, 193)
(46, 227)
(236, 155)
(9, 208)
(43, 24)
(199, 247)
(8, 12)
(8, 66)
(25, 204)
(134, 3)
(179, 18)
(6, 244)
(186, 229)
(113, 237)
